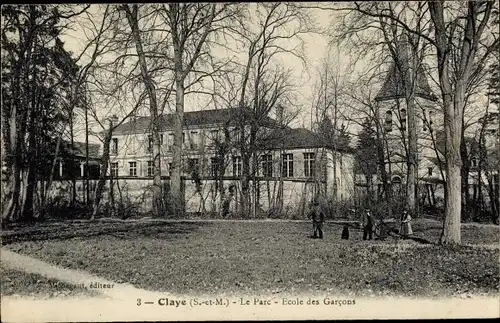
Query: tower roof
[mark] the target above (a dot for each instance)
(393, 87)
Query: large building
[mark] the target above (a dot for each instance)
(292, 165)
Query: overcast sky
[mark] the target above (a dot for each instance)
(304, 77)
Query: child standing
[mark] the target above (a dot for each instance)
(345, 232)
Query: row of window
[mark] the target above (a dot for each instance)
(388, 120)
(287, 166)
(194, 141)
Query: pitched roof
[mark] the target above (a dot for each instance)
(93, 149)
(79, 149)
(196, 118)
(393, 84)
(290, 138)
(278, 137)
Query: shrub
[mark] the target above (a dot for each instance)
(60, 208)
(337, 209)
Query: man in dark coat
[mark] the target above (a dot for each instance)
(367, 225)
(318, 218)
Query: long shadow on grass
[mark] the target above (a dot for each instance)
(396, 235)
(71, 230)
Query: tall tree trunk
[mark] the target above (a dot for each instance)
(86, 173)
(29, 178)
(245, 183)
(412, 156)
(246, 153)
(182, 30)
(30, 172)
(112, 196)
(153, 109)
(493, 197)
(381, 161)
(13, 163)
(175, 179)
(244, 180)
(464, 173)
(103, 171)
(482, 160)
(27, 206)
(72, 149)
(255, 185)
(249, 170)
(12, 158)
(14, 119)
(50, 180)
(498, 173)
(453, 126)
(406, 59)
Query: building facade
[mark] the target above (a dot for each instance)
(288, 166)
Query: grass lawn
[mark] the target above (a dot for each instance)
(266, 257)
(18, 283)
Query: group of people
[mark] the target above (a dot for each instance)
(318, 217)
(368, 224)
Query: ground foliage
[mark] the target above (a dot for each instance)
(270, 257)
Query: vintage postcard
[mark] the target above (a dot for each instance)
(250, 161)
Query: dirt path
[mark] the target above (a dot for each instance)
(107, 288)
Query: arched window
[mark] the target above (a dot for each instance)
(396, 179)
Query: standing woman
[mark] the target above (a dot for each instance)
(406, 223)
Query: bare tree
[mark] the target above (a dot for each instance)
(112, 100)
(190, 27)
(330, 119)
(38, 76)
(362, 107)
(114, 87)
(453, 90)
(113, 123)
(278, 27)
(133, 21)
(448, 26)
(97, 47)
